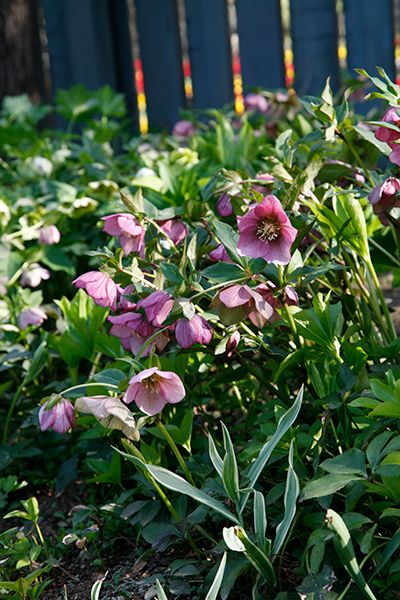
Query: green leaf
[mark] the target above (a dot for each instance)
(161, 595)
(229, 238)
(178, 484)
(230, 473)
(260, 518)
(96, 588)
(214, 456)
(369, 136)
(216, 584)
(351, 462)
(223, 272)
(57, 260)
(324, 486)
(257, 557)
(171, 273)
(387, 409)
(291, 494)
(284, 423)
(345, 551)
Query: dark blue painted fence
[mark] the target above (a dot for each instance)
(89, 42)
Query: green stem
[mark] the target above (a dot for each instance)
(391, 332)
(10, 413)
(218, 286)
(357, 157)
(384, 251)
(175, 450)
(135, 452)
(86, 385)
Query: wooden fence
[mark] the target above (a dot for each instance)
(94, 42)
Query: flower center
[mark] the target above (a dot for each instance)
(268, 230)
(151, 384)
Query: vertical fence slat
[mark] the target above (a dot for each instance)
(370, 35)
(124, 69)
(314, 36)
(160, 51)
(261, 43)
(80, 43)
(209, 51)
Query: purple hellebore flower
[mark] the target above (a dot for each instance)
(175, 229)
(157, 307)
(60, 417)
(123, 302)
(183, 129)
(384, 134)
(384, 197)
(132, 329)
(256, 102)
(110, 412)
(224, 206)
(34, 275)
(243, 302)
(49, 235)
(152, 389)
(266, 232)
(220, 254)
(31, 316)
(394, 156)
(232, 343)
(193, 331)
(100, 287)
(129, 232)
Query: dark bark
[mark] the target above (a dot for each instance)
(21, 68)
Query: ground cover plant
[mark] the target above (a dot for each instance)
(199, 350)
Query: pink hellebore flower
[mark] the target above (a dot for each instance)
(183, 129)
(157, 307)
(384, 197)
(232, 343)
(152, 389)
(269, 180)
(60, 417)
(123, 302)
(192, 331)
(266, 291)
(100, 287)
(33, 275)
(224, 206)
(31, 316)
(220, 254)
(384, 134)
(175, 229)
(129, 232)
(394, 156)
(243, 302)
(111, 413)
(133, 331)
(49, 235)
(256, 102)
(266, 232)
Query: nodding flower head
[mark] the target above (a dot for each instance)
(152, 389)
(266, 232)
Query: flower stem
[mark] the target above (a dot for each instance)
(135, 452)
(176, 451)
(391, 332)
(10, 413)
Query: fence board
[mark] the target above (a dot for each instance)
(157, 24)
(80, 43)
(370, 35)
(124, 69)
(261, 43)
(314, 35)
(209, 51)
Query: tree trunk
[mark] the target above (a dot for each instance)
(21, 68)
